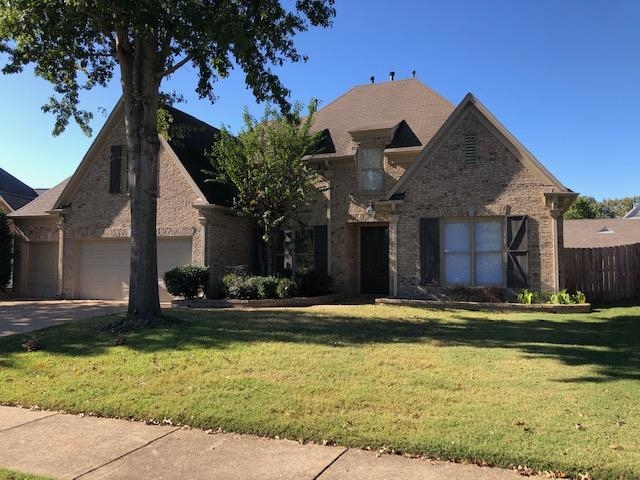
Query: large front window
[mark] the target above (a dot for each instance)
(371, 169)
(473, 252)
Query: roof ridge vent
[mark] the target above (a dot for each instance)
(605, 229)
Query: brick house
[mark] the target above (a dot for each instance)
(417, 194)
(424, 195)
(74, 239)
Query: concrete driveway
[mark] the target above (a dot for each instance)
(28, 315)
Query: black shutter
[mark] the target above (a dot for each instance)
(517, 251)
(430, 251)
(320, 248)
(115, 169)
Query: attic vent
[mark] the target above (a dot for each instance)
(470, 149)
(605, 230)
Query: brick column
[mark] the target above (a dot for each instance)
(61, 227)
(393, 255)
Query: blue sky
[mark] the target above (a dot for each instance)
(562, 75)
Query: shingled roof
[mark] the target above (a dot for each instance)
(417, 110)
(41, 205)
(601, 232)
(14, 192)
(191, 138)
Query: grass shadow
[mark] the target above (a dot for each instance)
(608, 342)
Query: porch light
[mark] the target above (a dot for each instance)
(371, 210)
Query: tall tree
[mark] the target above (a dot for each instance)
(79, 44)
(266, 166)
(582, 207)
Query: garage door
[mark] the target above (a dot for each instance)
(103, 266)
(42, 279)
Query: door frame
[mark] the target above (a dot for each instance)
(359, 253)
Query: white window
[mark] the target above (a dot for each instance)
(473, 252)
(371, 162)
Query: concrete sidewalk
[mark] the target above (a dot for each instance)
(71, 446)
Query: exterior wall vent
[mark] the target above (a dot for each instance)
(470, 149)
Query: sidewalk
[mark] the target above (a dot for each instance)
(71, 446)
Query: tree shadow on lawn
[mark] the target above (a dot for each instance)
(610, 344)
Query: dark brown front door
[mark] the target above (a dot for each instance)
(374, 260)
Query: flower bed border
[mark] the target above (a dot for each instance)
(488, 306)
(264, 303)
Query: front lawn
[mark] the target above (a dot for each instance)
(10, 475)
(552, 392)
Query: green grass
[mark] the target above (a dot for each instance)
(553, 392)
(10, 475)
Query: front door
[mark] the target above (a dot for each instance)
(374, 260)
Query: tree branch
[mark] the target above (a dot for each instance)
(175, 66)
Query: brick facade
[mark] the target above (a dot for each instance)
(498, 185)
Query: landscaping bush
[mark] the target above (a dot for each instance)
(246, 287)
(560, 298)
(286, 288)
(186, 280)
(312, 283)
(267, 287)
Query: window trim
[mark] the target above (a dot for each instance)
(472, 229)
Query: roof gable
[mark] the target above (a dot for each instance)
(409, 104)
(472, 105)
(191, 138)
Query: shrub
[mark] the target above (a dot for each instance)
(525, 296)
(560, 298)
(186, 280)
(312, 283)
(267, 287)
(579, 297)
(238, 286)
(286, 288)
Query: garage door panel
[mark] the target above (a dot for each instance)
(104, 266)
(42, 276)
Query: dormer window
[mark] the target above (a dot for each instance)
(371, 165)
(118, 169)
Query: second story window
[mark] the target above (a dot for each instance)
(118, 168)
(371, 165)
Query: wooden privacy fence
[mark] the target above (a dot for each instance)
(610, 273)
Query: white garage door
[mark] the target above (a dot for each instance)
(42, 279)
(103, 266)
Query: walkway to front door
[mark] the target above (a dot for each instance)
(374, 259)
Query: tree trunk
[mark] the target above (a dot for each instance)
(140, 88)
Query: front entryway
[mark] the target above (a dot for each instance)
(374, 260)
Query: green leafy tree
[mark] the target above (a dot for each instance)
(80, 44)
(615, 207)
(5, 252)
(266, 167)
(582, 207)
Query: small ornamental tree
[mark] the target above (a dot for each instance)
(266, 166)
(79, 44)
(5, 252)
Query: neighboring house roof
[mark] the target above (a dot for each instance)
(601, 232)
(417, 111)
(42, 204)
(471, 103)
(634, 212)
(191, 138)
(15, 193)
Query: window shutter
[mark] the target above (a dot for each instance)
(115, 169)
(517, 251)
(320, 248)
(430, 251)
